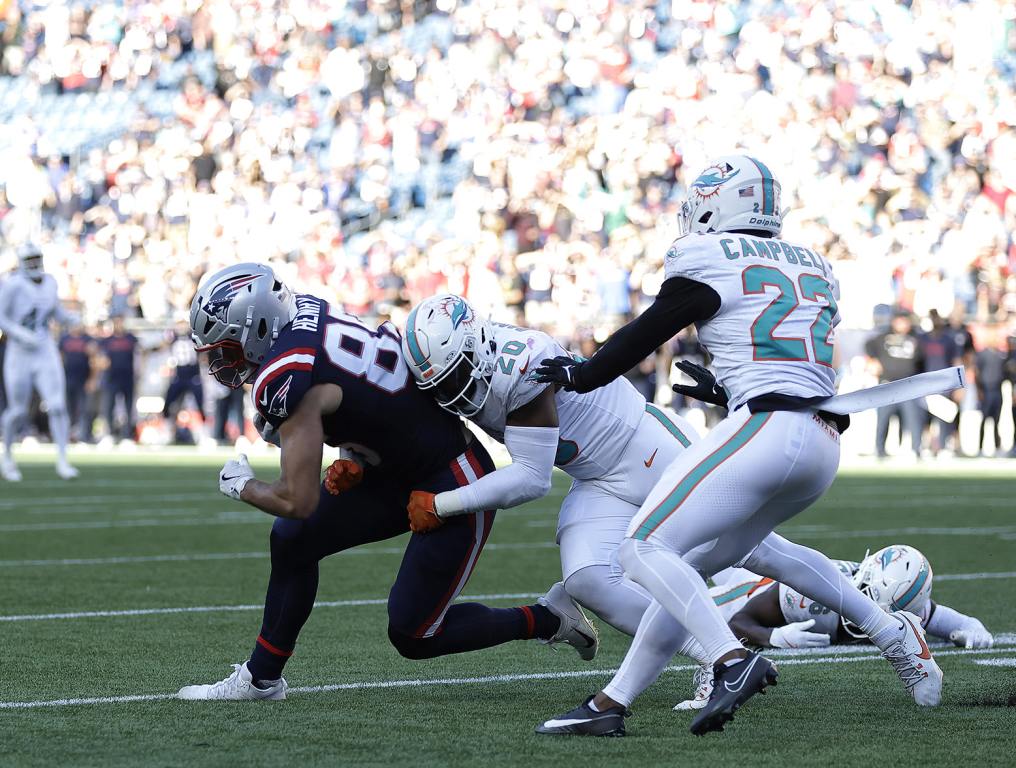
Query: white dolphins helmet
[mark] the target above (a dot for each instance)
(897, 577)
(450, 349)
(30, 262)
(736, 192)
(236, 316)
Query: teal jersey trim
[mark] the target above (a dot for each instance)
(661, 417)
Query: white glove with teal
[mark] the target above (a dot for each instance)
(234, 476)
(796, 635)
(972, 635)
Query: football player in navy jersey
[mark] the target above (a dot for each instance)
(321, 376)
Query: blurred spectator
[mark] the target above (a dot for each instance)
(185, 375)
(894, 355)
(990, 363)
(119, 348)
(1010, 376)
(77, 349)
(228, 414)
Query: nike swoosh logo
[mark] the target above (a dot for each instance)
(925, 651)
(565, 723)
(802, 603)
(231, 477)
(739, 682)
(264, 397)
(651, 459)
(524, 368)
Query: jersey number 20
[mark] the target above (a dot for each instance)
(767, 345)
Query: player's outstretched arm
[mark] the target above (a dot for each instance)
(761, 623)
(531, 434)
(679, 303)
(295, 493)
(958, 628)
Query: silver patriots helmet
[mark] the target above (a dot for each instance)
(236, 317)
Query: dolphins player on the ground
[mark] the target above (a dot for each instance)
(28, 303)
(765, 310)
(322, 376)
(611, 442)
(765, 614)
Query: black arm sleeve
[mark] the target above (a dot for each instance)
(680, 303)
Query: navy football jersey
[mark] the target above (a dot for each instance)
(401, 430)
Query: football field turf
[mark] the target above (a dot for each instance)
(138, 578)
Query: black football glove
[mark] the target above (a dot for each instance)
(561, 370)
(705, 387)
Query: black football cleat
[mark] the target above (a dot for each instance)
(584, 721)
(733, 686)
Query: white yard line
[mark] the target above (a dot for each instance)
(832, 656)
(96, 501)
(186, 558)
(232, 608)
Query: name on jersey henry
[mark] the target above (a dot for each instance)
(773, 250)
(308, 310)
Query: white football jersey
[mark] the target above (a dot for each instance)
(29, 305)
(773, 332)
(740, 586)
(594, 427)
(797, 607)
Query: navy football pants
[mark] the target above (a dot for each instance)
(423, 622)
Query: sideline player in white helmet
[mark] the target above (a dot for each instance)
(611, 441)
(765, 309)
(766, 614)
(28, 303)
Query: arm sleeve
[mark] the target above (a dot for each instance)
(528, 476)
(944, 620)
(7, 324)
(680, 303)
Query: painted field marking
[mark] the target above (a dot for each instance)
(1006, 662)
(263, 555)
(828, 658)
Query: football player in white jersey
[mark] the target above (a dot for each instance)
(610, 441)
(28, 303)
(769, 615)
(765, 310)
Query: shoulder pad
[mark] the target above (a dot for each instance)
(282, 383)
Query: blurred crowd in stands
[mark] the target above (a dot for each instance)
(528, 154)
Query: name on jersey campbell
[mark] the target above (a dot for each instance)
(308, 312)
(773, 250)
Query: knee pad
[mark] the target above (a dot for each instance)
(410, 647)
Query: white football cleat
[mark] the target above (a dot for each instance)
(9, 470)
(238, 686)
(703, 682)
(64, 470)
(911, 658)
(576, 629)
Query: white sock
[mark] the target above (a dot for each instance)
(59, 428)
(680, 589)
(814, 575)
(658, 638)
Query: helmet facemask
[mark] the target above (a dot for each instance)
(463, 387)
(227, 364)
(30, 263)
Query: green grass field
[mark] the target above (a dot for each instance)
(137, 533)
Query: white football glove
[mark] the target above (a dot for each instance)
(973, 635)
(268, 433)
(796, 635)
(234, 476)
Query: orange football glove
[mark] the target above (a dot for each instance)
(422, 517)
(342, 475)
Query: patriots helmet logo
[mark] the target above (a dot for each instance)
(223, 294)
(711, 179)
(277, 407)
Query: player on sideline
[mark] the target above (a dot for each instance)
(766, 614)
(611, 441)
(322, 376)
(765, 310)
(28, 302)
